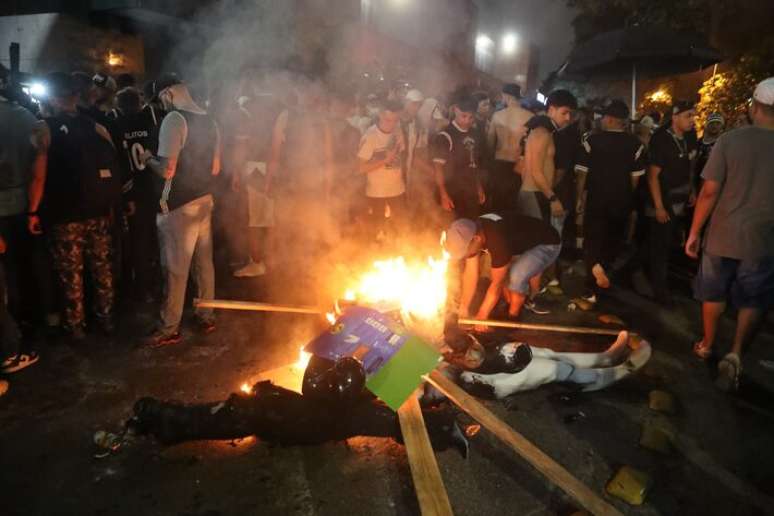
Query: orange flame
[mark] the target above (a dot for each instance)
(246, 388)
(303, 359)
(416, 287)
(331, 317)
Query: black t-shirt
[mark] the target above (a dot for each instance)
(611, 159)
(674, 156)
(567, 142)
(132, 135)
(702, 156)
(458, 152)
(509, 234)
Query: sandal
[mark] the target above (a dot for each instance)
(19, 362)
(702, 352)
(729, 371)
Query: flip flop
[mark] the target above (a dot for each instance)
(701, 352)
(729, 371)
(21, 361)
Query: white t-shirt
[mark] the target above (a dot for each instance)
(386, 181)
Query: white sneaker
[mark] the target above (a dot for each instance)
(251, 270)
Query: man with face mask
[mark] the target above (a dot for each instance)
(672, 152)
(188, 159)
(455, 155)
(712, 131)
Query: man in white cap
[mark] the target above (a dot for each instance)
(737, 261)
(520, 247)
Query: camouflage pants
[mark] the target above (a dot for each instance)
(72, 246)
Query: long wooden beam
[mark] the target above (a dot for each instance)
(428, 484)
(557, 474)
(541, 327)
(312, 310)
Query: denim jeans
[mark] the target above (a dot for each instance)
(185, 239)
(529, 264)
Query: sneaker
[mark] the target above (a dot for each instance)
(159, 339)
(4, 385)
(589, 296)
(533, 306)
(19, 362)
(251, 270)
(204, 326)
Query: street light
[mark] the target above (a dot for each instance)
(483, 43)
(509, 43)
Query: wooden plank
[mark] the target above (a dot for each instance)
(312, 310)
(428, 484)
(257, 307)
(541, 327)
(579, 492)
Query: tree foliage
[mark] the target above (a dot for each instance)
(729, 92)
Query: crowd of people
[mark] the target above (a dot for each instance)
(107, 192)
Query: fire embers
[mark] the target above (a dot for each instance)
(471, 355)
(342, 381)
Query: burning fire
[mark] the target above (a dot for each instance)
(418, 288)
(303, 359)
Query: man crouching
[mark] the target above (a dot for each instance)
(520, 247)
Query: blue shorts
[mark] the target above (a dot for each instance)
(529, 264)
(746, 284)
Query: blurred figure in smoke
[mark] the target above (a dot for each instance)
(381, 161)
(455, 154)
(152, 105)
(251, 120)
(347, 203)
(300, 178)
(188, 159)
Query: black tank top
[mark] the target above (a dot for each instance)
(193, 175)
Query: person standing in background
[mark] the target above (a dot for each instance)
(671, 158)
(188, 160)
(504, 136)
(737, 262)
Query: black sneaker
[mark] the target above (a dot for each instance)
(159, 339)
(536, 308)
(204, 326)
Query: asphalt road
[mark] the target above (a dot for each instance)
(723, 462)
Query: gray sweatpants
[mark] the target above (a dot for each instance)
(185, 240)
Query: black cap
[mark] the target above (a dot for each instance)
(467, 105)
(61, 84)
(617, 109)
(164, 82)
(512, 89)
(681, 106)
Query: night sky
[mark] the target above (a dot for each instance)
(546, 23)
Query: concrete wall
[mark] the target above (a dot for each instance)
(62, 42)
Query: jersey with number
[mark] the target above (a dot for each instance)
(133, 134)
